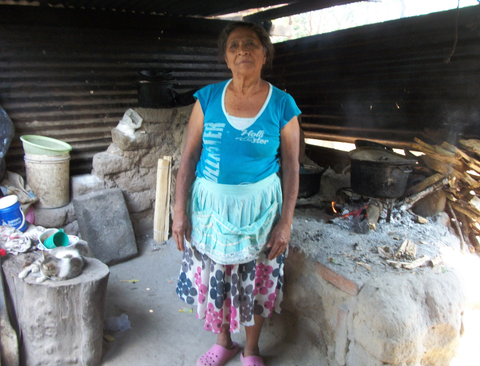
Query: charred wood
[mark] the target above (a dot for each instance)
(374, 209)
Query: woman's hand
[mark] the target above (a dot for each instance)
(181, 228)
(279, 239)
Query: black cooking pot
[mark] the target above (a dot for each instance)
(309, 181)
(156, 89)
(379, 173)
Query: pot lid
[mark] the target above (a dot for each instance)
(380, 156)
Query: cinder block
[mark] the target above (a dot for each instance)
(105, 224)
(336, 279)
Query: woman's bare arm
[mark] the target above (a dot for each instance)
(182, 226)
(289, 148)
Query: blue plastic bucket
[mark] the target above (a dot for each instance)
(11, 213)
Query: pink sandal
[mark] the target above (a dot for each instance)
(251, 360)
(217, 355)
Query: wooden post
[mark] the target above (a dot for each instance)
(161, 220)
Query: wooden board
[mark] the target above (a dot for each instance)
(162, 202)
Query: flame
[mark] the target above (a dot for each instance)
(333, 207)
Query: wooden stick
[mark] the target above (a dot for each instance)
(411, 200)
(410, 265)
(436, 165)
(459, 231)
(422, 145)
(424, 184)
(160, 229)
(465, 210)
(470, 161)
(167, 206)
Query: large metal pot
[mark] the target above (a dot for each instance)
(309, 180)
(379, 173)
(155, 89)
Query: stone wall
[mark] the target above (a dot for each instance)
(130, 162)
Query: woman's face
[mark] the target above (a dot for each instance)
(244, 53)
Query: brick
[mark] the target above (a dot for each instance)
(344, 284)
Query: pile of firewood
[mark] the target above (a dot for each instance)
(456, 170)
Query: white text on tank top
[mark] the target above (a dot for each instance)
(212, 140)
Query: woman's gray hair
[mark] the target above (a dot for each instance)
(259, 31)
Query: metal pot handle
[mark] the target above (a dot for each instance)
(405, 170)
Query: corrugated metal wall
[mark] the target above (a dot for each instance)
(387, 81)
(74, 83)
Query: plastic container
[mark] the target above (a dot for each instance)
(49, 178)
(41, 145)
(58, 239)
(11, 213)
(72, 239)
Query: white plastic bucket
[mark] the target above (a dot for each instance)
(11, 213)
(49, 178)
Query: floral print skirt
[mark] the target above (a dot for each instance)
(230, 294)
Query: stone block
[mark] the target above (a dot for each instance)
(125, 142)
(85, 183)
(71, 228)
(336, 279)
(105, 224)
(140, 201)
(136, 180)
(104, 163)
(55, 217)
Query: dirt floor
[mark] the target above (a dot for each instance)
(165, 333)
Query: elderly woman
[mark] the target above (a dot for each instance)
(234, 205)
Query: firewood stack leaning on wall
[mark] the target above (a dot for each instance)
(456, 170)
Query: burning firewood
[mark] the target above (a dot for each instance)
(374, 209)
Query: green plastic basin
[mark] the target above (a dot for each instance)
(42, 145)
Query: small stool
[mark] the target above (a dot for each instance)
(60, 322)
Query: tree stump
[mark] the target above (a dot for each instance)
(59, 322)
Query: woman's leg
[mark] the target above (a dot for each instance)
(253, 334)
(224, 339)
